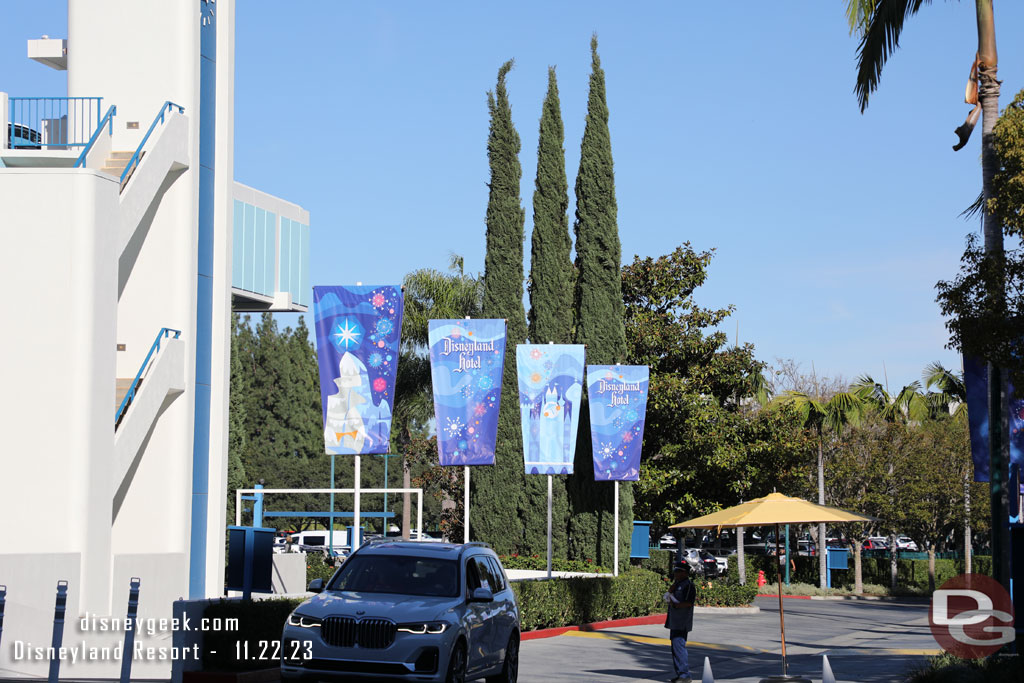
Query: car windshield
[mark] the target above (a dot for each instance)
(398, 574)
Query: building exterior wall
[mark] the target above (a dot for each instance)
(63, 240)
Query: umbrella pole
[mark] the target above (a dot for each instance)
(782, 618)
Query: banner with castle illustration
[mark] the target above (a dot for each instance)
(618, 406)
(550, 391)
(357, 335)
(467, 358)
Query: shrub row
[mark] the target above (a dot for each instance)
(558, 564)
(909, 573)
(573, 601)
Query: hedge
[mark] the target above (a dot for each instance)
(558, 564)
(909, 573)
(578, 600)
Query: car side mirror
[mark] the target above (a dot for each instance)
(316, 586)
(481, 595)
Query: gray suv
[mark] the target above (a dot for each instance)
(408, 611)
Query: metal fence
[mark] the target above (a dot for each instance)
(52, 122)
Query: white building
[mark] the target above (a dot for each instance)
(122, 223)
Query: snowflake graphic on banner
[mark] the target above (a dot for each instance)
(346, 334)
(453, 426)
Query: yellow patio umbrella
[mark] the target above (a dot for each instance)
(776, 509)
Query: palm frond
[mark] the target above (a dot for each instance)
(935, 375)
(843, 408)
(976, 208)
(881, 36)
(870, 391)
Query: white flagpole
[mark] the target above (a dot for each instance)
(465, 503)
(549, 524)
(353, 543)
(615, 571)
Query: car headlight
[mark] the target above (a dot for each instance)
(296, 619)
(420, 627)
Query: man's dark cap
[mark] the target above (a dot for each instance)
(681, 566)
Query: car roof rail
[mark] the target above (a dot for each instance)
(473, 544)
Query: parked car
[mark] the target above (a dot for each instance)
(667, 541)
(876, 543)
(806, 548)
(702, 563)
(723, 561)
(407, 611)
(906, 543)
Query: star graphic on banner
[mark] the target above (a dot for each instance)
(346, 334)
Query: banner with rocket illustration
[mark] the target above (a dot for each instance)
(550, 392)
(357, 334)
(467, 358)
(618, 406)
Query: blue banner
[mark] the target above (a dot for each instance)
(357, 335)
(976, 383)
(550, 392)
(618, 406)
(467, 358)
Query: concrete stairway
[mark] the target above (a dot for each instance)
(118, 161)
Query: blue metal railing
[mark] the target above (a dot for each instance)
(164, 108)
(52, 122)
(108, 120)
(126, 401)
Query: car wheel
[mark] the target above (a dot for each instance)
(510, 670)
(457, 665)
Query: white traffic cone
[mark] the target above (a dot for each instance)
(708, 677)
(826, 671)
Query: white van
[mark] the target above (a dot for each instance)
(317, 540)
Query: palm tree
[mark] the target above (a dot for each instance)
(880, 23)
(833, 415)
(951, 394)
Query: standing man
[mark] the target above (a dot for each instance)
(680, 598)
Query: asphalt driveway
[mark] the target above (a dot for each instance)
(868, 641)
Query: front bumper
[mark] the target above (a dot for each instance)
(421, 657)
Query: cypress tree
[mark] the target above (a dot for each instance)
(599, 324)
(551, 277)
(496, 495)
(237, 436)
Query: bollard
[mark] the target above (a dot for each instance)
(131, 622)
(3, 599)
(826, 671)
(708, 676)
(58, 629)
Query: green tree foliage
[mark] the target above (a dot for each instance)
(500, 513)
(551, 275)
(704, 447)
(237, 436)
(598, 295)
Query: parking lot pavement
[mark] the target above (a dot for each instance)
(872, 642)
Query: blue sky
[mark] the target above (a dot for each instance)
(734, 127)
